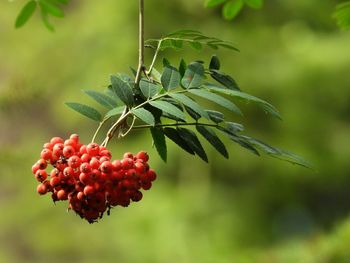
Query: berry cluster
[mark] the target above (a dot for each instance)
(86, 177)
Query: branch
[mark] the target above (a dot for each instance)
(141, 65)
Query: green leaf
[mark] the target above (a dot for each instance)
(144, 115)
(193, 114)
(239, 140)
(214, 63)
(149, 89)
(279, 153)
(213, 139)
(217, 99)
(123, 90)
(85, 110)
(194, 75)
(51, 8)
(238, 94)
(169, 108)
(170, 78)
(101, 98)
(191, 139)
(215, 116)
(182, 68)
(115, 112)
(232, 8)
(342, 15)
(159, 142)
(234, 127)
(224, 79)
(174, 135)
(26, 12)
(196, 45)
(212, 3)
(45, 18)
(156, 75)
(254, 3)
(190, 103)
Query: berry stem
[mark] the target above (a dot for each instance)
(141, 66)
(154, 57)
(97, 130)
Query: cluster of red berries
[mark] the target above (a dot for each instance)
(86, 177)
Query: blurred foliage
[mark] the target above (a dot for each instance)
(247, 209)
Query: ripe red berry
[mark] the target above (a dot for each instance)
(80, 196)
(46, 154)
(146, 185)
(68, 151)
(89, 190)
(85, 168)
(41, 175)
(140, 167)
(55, 181)
(95, 163)
(56, 140)
(58, 149)
(35, 168)
(136, 196)
(42, 164)
(143, 156)
(85, 178)
(62, 195)
(127, 163)
(93, 149)
(128, 155)
(106, 167)
(151, 175)
(74, 161)
(41, 189)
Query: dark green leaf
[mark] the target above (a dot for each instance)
(194, 75)
(212, 3)
(278, 153)
(224, 79)
(193, 114)
(214, 63)
(191, 139)
(85, 110)
(115, 112)
(156, 75)
(254, 3)
(182, 68)
(26, 12)
(238, 94)
(173, 135)
(159, 142)
(169, 108)
(144, 115)
(215, 116)
(190, 103)
(51, 8)
(102, 99)
(217, 99)
(232, 8)
(149, 89)
(166, 62)
(183, 32)
(123, 90)
(234, 127)
(213, 139)
(170, 78)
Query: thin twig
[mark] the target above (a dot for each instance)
(141, 65)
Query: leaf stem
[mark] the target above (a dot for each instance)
(141, 65)
(155, 57)
(97, 131)
(139, 127)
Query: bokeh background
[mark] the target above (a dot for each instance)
(246, 209)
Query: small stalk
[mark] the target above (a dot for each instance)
(141, 66)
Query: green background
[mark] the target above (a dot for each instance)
(245, 209)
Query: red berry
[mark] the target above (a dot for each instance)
(41, 175)
(85, 168)
(143, 156)
(68, 151)
(48, 146)
(46, 154)
(68, 172)
(85, 178)
(62, 195)
(140, 167)
(41, 189)
(56, 140)
(35, 168)
(74, 137)
(104, 158)
(117, 165)
(146, 185)
(82, 149)
(55, 181)
(93, 149)
(95, 163)
(58, 149)
(151, 175)
(89, 190)
(106, 153)
(106, 167)
(95, 174)
(42, 164)
(80, 196)
(128, 155)
(127, 163)
(74, 161)
(85, 158)
(136, 196)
